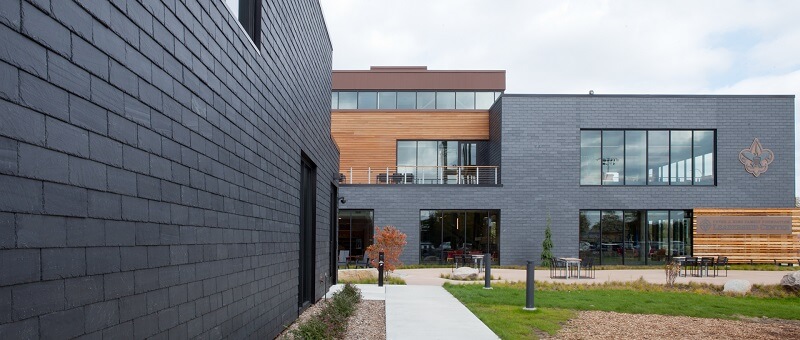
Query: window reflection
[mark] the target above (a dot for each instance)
(635, 157)
(590, 157)
(634, 236)
(445, 100)
(387, 100)
(367, 100)
(348, 100)
(465, 100)
(334, 100)
(356, 230)
(429, 161)
(613, 160)
(680, 148)
(484, 100)
(426, 100)
(447, 235)
(658, 157)
(406, 100)
(704, 157)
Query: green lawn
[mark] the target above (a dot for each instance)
(501, 307)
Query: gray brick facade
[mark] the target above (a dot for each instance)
(150, 167)
(536, 141)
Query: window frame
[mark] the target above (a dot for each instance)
(647, 154)
(256, 7)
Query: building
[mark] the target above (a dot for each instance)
(623, 179)
(166, 167)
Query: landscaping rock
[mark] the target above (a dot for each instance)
(791, 281)
(737, 286)
(465, 273)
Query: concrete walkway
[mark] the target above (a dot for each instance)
(424, 312)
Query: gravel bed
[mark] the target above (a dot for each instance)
(368, 322)
(611, 325)
(307, 314)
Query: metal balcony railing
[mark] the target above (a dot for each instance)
(475, 175)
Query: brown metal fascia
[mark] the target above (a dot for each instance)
(418, 78)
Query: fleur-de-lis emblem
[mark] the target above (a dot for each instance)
(756, 159)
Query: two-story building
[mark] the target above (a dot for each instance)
(462, 167)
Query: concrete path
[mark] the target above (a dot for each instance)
(430, 276)
(424, 312)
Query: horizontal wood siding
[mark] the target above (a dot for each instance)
(749, 247)
(369, 139)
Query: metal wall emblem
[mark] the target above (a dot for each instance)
(756, 159)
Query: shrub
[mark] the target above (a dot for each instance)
(331, 321)
(391, 242)
(547, 245)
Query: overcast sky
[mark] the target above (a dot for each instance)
(611, 47)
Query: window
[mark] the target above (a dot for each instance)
(355, 231)
(447, 234)
(629, 237)
(387, 100)
(647, 157)
(410, 100)
(428, 162)
(248, 12)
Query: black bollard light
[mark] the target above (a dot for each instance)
(487, 272)
(529, 287)
(380, 269)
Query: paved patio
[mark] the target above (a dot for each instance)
(430, 276)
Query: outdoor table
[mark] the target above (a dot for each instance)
(572, 261)
(478, 259)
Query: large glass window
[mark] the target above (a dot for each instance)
(680, 155)
(406, 100)
(465, 100)
(484, 100)
(426, 100)
(348, 100)
(441, 162)
(356, 229)
(635, 157)
(634, 236)
(445, 100)
(387, 100)
(449, 234)
(704, 157)
(590, 157)
(647, 157)
(613, 161)
(367, 100)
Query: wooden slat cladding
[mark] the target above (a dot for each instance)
(369, 139)
(749, 247)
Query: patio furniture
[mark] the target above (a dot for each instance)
(343, 254)
(363, 263)
(572, 262)
(704, 264)
(557, 269)
(689, 265)
(722, 262)
(588, 267)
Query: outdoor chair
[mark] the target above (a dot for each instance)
(689, 265)
(587, 265)
(722, 262)
(343, 254)
(558, 269)
(704, 264)
(363, 263)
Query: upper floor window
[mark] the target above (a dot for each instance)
(248, 12)
(411, 100)
(648, 157)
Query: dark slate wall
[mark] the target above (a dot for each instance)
(150, 164)
(539, 140)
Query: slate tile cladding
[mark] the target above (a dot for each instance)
(149, 166)
(538, 141)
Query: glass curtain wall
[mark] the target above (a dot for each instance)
(428, 161)
(356, 230)
(634, 237)
(419, 100)
(446, 234)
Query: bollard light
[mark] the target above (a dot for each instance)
(487, 272)
(380, 269)
(529, 287)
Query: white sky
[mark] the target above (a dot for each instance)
(611, 47)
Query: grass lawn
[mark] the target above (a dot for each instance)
(501, 307)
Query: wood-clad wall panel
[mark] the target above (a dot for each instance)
(745, 248)
(369, 139)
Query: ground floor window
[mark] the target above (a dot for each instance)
(447, 234)
(631, 237)
(356, 228)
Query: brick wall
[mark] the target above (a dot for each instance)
(150, 165)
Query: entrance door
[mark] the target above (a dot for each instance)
(308, 199)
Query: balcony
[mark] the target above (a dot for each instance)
(462, 175)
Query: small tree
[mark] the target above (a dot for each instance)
(547, 244)
(391, 242)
